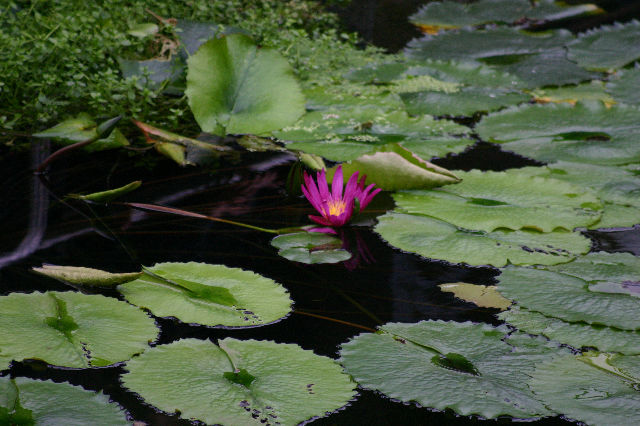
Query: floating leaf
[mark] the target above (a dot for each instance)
(234, 87)
(310, 247)
(72, 329)
(289, 386)
(465, 73)
(435, 239)
(623, 86)
(213, 295)
(482, 295)
(578, 335)
(587, 393)
(350, 95)
(378, 73)
(109, 195)
(449, 14)
(588, 132)
(465, 367)
(603, 267)
(27, 402)
(568, 298)
(493, 200)
(394, 167)
(467, 44)
(616, 216)
(592, 91)
(607, 47)
(86, 276)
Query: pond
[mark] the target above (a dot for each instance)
(395, 267)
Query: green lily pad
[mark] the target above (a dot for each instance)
(587, 133)
(435, 239)
(603, 267)
(234, 87)
(393, 167)
(72, 329)
(608, 47)
(469, 368)
(310, 247)
(449, 14)
(482, 295)
(213, 295)
(249, 382)
(580, 390)
(86, 276)
(350, 95)
(465, 102)
(465, 73)
(591, 91)
(576, 334)
(33, 402)
(623, 85)
(568, 298)
(346, 134)
(617, 216)
(467, 44)
(378, 73)
(109, 195)
(493, 200)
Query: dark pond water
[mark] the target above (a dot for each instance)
(332, 302)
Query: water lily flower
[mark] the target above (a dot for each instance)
(336, 207)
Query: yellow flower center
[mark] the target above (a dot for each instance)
(336, 208)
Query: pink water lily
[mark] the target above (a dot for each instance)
(336, 207)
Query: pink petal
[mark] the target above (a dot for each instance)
(314, 196)
(366, 197)
(351, 190)
(336, 184)
(320, 220)
(323, 188)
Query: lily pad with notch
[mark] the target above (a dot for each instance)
(26, 401)
(252, 382)
(74, 330)
(472, 369)
(212, 295)
(311, 248)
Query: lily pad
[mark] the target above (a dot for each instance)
(622, 86)
(492, 200)
(465, 73)
(575, 334)
(592, 91)
(468, 44)
(234, 87)
(310, 247)
(350, 95)
(568, 298)
(33, 402)
(108, 195)
(482, 295)
(585, 392)
(604, 267)
(608, 47)
(464, 102)
(249, 382)
(436, 239)
(72, 329)
(213, 295)
(86, 276)
(469, 368)
(393, 167)
(588, 133)
(617, 216)
(449, 14)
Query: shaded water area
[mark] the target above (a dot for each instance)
(332, 302)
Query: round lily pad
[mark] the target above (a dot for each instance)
(469, 368)
(436, 239)
(568, 298)
(33, 402)
(72, 329)
(310, 247)
(590, 393)
(239, 382)
(607, 47)
(492, 200)
(213, 295)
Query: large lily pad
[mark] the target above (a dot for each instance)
(469, 368)
(213, 295)
(234, 87)
(72, 329)
(239, 382)
(583, 391)
(310, 247)
(589, 132)
(435, 239)
(607, 47)
(576, 334)
(568, 298)
(467, 44)
(491, 200)
(449, 14)
(624, 84)
(33, 402)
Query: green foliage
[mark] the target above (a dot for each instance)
(310, 247)
(608, 47)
